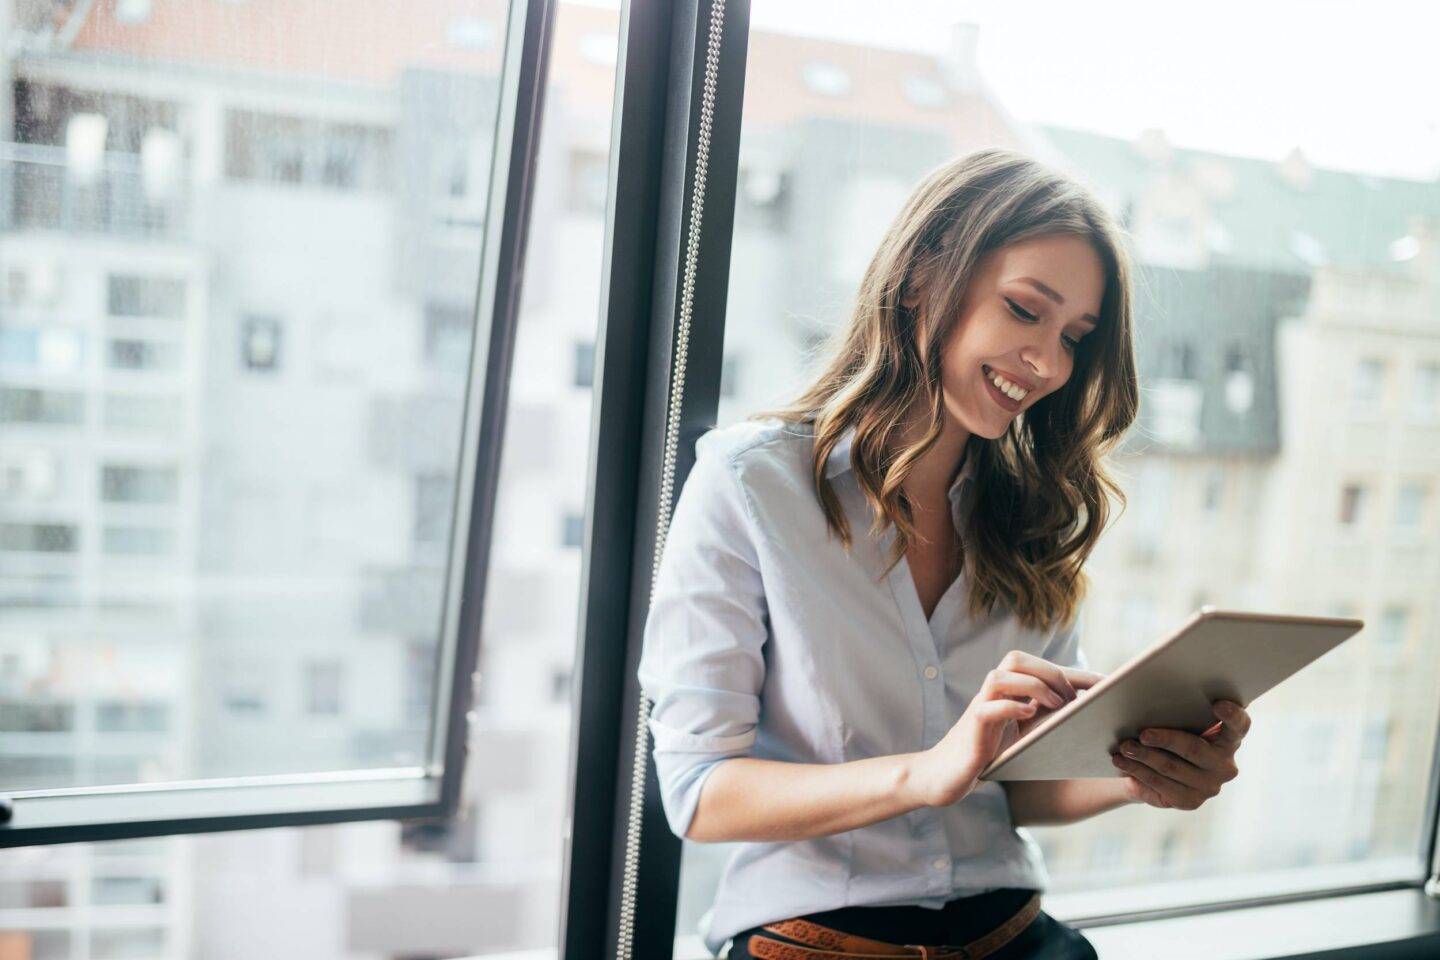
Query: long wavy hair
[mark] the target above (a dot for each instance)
(1042, 489)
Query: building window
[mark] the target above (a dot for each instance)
(584, 373)
(132, 716)
(52, 407)
(433, 493)
(138, 541)
(1352, 500)
(573, 529)
(157, 297)
(143, 355)
(120, 484)
(268, 148)
(1369, 381)
(1427, 390)
(1410, 505)
(1376, 740)
(1394, 624)
(19, 716)
(130, 891)
(40, 537)
(447, 336)
(1239, 384)
(260, 342)
(323, 681)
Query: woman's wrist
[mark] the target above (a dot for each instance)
(918, 782)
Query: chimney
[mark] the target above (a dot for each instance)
(961, 67)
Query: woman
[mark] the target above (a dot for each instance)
(806, 682)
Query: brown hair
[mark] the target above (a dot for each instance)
(1042, 487)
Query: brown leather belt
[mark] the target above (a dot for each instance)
(818, 942)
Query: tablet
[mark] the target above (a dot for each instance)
(1215, 655)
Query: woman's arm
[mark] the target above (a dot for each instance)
(1049, 802)
(746, 798)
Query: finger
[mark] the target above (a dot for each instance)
(1234, 719)
(1174, 793)
(1196, 749)
(1052, 674)
(1082, 679)
(1024, 685)
(1164, 762)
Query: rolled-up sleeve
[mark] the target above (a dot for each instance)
(702, 663)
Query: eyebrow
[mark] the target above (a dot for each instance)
(1054, 296)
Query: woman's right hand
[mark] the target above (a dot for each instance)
(1017, 694)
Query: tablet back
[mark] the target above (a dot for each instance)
(1215, 655)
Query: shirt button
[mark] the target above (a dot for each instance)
(931, 673)
(939, 863)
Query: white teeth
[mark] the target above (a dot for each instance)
(1009, 389)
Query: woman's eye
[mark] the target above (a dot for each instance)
(1015, 309)
(1071, 343)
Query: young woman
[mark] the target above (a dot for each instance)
(807, 678)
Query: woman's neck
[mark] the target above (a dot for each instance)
(928, 484)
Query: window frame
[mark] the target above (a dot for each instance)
(616, 837)
(430, 791)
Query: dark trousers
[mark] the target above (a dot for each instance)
(957, 923)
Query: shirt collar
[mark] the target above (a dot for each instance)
(839, 462)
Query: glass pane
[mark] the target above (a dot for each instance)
(222, 534)
(229, 428)
(1284, 258)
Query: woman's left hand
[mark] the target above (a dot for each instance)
(1175, 768)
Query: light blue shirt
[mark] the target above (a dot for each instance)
(765, 640)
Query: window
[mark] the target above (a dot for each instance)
(289, 150)
(129, 484)
(1410, 504)
(448, 329)
(51, 407)
(162, 298)
(260, 343)
(1393, 627)
(39, 537)
(294, 489)
(1427, 391)
(1352, 500)
(1369, 385)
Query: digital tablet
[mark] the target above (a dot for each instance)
(1215, 655)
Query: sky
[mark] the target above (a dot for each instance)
(1356, 86)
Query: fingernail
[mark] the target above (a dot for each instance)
(1146, 736)
(1129, 749)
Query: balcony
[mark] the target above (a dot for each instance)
(121, 196)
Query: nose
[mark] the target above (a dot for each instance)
(1044, 358)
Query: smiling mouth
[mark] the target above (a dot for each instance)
(996, 394)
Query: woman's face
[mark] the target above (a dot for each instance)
(1026, 307)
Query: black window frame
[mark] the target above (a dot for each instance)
(429, 791)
